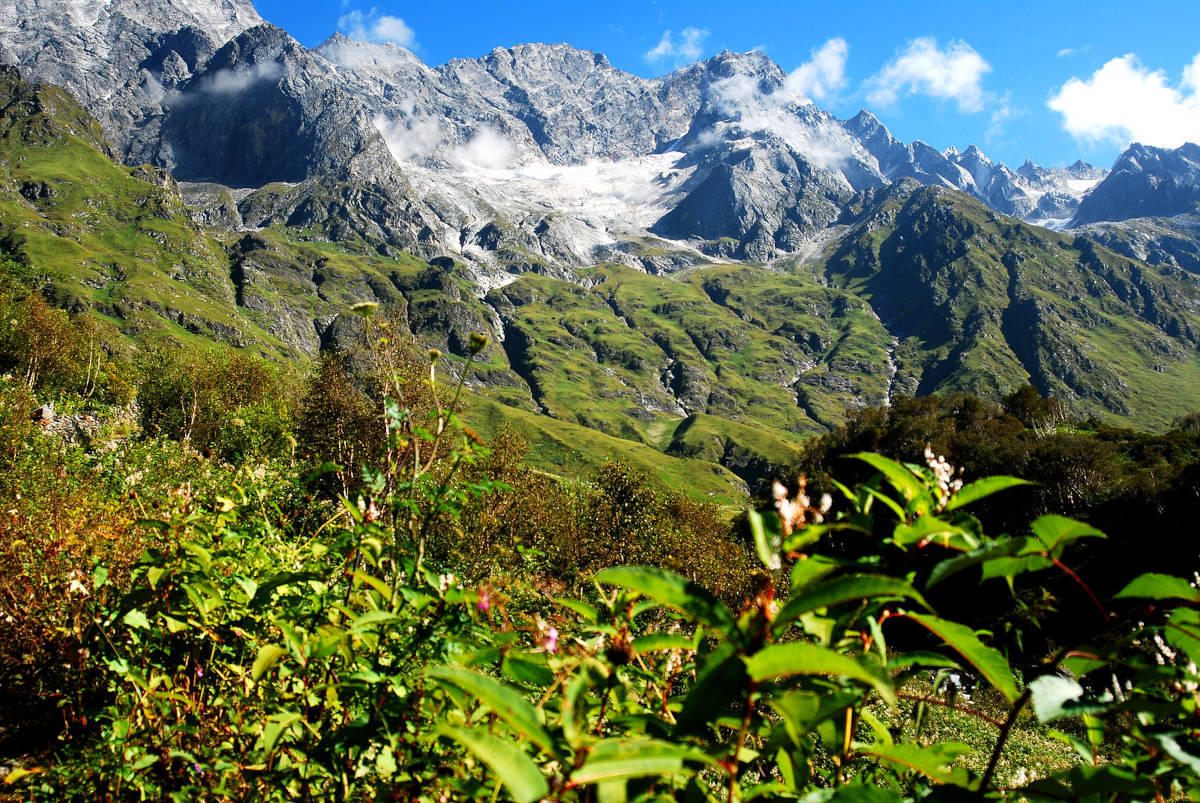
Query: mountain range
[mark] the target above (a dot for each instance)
(647, 254)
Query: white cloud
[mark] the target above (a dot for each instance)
(228, 81)
(689, 48)
(375, 27)
(487, 149)
(824, 75)
(1002, 113)
(411, 137)
(750, 110)
(1125, 102)
(954, 73)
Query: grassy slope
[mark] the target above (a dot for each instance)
(570, 450)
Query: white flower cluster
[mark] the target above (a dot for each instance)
(944, 473)
(798, 512)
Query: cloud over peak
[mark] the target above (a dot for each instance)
(824, 75)
(1125, 102)
(372, 26)
(954, 73)
(687, 49)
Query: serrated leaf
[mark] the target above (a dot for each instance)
(505, 701)
(512, 765)
(988, 660)
(1159, 586)
(847, 588)
(796, 658)
(673, 591)
(268, 656)
(974, 491)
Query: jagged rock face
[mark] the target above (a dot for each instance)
(118, 57)
(1146, 182)
(489, 160)
(262, 110)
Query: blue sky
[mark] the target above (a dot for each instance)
(1052, 82)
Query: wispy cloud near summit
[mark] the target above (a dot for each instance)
(371, 26)
(687, 49)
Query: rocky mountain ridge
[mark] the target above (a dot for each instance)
(643, 252)
(719, 157)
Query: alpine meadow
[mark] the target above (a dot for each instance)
(524, 428)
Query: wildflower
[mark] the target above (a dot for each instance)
(483, 603)
(365, 308)
(476, 343)
(798, 512)
(76, 586)
(947, 484)
(445, 581)
(548, 636)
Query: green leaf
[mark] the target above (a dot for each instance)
(1173, 749)
(812, 569)
(515, 769)
(1159, 586)
(848, 588)
(202, 555)
(275, 727)
(927, 528)
(898, 476)
(505, 701)
(767, 543)
(527, 668)
(932, 762)
(144, 761)
(673, 591)
(655, 642)
(1057, 532)
(371, 620)
(612, 759)
(796, 658)
(268, 656)
(952, 566)
(974, 491)
(988, 660)
(136, 619)
(1050, 693)
(720, 680)
(588, 612)
(99, 576)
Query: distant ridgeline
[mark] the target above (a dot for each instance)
(647, 264)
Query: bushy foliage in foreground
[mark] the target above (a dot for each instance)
(254, 651)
